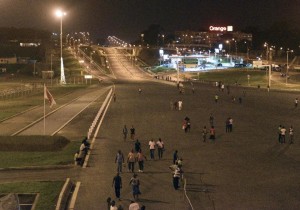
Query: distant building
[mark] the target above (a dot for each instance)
(8, 60)
(212, 37)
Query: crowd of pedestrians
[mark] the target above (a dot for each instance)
(134, 156)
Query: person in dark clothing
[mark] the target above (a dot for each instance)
(137, 146)
(187, 124)
(125, 132)
(85, 142)
(117, 184)
(175, 157)
(132, 132)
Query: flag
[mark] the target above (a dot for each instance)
(49, 97)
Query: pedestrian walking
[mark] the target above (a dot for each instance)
(135, 184)
(204, 133)
(283, 132)
(125, 132)
(222, 87)
(152, 148)
(188, 124)
(176, 105)
(140, 90)
(212, 133)
(117, 184)
(180, 103)
(193, 90)
(279, 133)
(131, 161)
(177, 174)
(175, 157)
(216, 98)
(114, 97)
(113, 206)
(211, 120)
(291, 132)
(227, 125)
(160, 148)
(171, 105)
(141, 158)
(137, 146)
(120, 161)
(228, 89)
(230, 120)
(134, 206)
(108, 201)
(233, 99)
(240, 100)
(179, 162)
(296, 102)
(77, 159)
(132, 132)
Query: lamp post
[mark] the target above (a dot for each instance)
(60, 14)
(267, 52)
(287, 64)
(228, 42)
(51, 72)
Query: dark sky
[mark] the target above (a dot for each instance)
(127, 18)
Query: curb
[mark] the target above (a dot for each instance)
(38, 167)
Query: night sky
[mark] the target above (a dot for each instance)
(127, 18)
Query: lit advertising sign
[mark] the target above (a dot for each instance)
(220, 28)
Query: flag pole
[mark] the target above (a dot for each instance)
(44, 108)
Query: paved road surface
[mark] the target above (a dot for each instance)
(245, 169)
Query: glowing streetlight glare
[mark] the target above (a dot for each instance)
(60, 13)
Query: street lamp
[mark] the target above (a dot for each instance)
(60, 14)
(287, 64)
(267, 52)
(228, 42)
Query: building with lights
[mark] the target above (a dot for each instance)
(212, 37)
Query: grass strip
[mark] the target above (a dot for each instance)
(23, 159)
(48, 190)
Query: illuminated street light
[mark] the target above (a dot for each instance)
(267, 52)
(287, 64)
(60, 14)
(228, 42)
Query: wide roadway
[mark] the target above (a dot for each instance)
(245, 169)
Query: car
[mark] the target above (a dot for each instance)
(239, 65)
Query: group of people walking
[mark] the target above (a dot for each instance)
(282, 134)
(134, 155)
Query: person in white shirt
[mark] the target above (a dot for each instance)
(179, 105)
(113, 206)
(134, 206)
(152, 148)
(160, 148)
(283, 131)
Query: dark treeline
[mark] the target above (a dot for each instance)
(23, 34)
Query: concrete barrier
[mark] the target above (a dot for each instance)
(64, 195)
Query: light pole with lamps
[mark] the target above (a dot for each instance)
(267, 52)
(51, 72)
(60, 14)
(287, 64)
